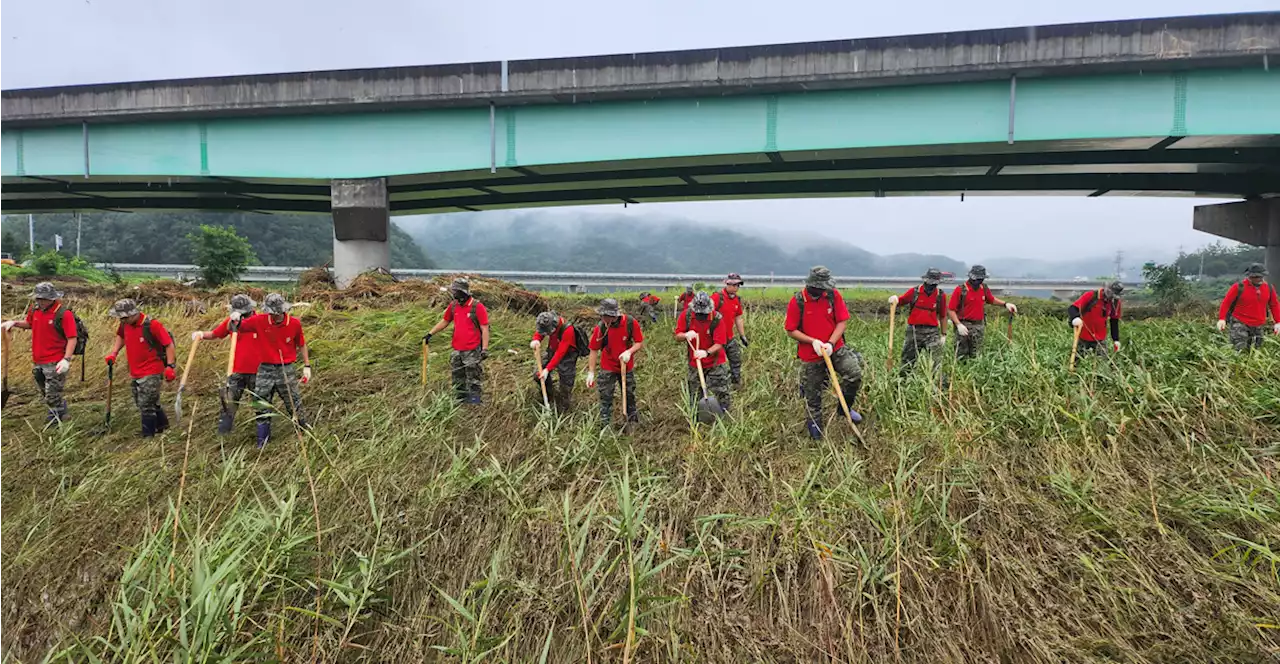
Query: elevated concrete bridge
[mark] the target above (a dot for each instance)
(1169, 106)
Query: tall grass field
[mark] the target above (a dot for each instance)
(1126, 512)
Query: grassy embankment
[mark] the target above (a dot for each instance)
(1127, 512)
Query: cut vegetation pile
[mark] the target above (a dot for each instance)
(1129, 512)
(384, 290)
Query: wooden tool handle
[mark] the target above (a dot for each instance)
(191, 357)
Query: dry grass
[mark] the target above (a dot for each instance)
(1127, 513)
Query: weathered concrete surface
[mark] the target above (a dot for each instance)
(361, 228)
(1228, 40)
(1251, 222)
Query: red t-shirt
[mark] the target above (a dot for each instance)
(467, 336)
(651, 299)
(926, 307)
(617, 343)
(820, 319)
(729, 307)
(684, 300)
(1253, 305)
(248, 351)
(975, 302)
(47, 346)
(706, 339)
(143, 359)
(278, 343)
(559, 344)
(1095, 319)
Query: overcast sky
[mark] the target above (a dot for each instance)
(61, 42)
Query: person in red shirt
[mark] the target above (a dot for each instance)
(705, 333)
(615, 341)
(816, 318)
(560, 360)
(470, 341)
(280, 341)
(53, 341)
(1245, 306)
(244, 365)
(150, 351)
(924, 324)
(968, 311)
(685, 298)
(729, 306)
(1092, 312)
(649, 306)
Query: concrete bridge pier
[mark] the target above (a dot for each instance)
(1255, 222)
(361, 228)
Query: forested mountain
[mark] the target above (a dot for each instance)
(161, 237)
(608, 243)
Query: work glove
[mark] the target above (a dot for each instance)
(624, 357)
(699, 354)
(1276, 328)
(1116, 346)
(426, 338)
(962, 330)
(591, 379)
(63, 366)
(306, 375)
(1076, 322)
(197, 335)
(1222, 325)
(110, 359)
(743, 340)
(689, 336)
(542, 375)
(535, 344)
(234, 316)
(943, 341)
(170, 374)
(484, 354)
(8, 325)
(1013, 308)
(893, 299)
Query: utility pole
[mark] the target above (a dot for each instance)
(79, 222)
(1119, 263)
(31, 233)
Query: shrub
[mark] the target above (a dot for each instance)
(221, 254)
(1166, 283)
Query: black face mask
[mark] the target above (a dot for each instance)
(461, 297)
(929, 288)
(701, 316)
(814, 292)
(976, 282)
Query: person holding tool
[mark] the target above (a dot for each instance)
(706, 332)
(470, 341)
(968, 311)
(816, 319)
(246, 356)
(1243, 312)
(280, 341)
(615, 341)
(729, 306)
(560, 360)
(928, 305)
(1092, 313)
(54, 340)
(150, 352)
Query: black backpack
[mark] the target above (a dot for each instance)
(627, 336)
(938, 306)
(799, 297)
(1262, 292)
(151, 340)
(960, 299)
(82, 332)
(581, 340)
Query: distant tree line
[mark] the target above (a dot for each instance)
(1219, 260)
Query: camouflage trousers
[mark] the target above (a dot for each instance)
(146, 395)
(1245, 337)
(647, 311)
(236, 385)
(281, 379)
(733, 350)
(814, 380)
(968, 345)
(606, 385)
(1099, 348)
(718, 381)
(560, 381)
(467, 370)
(51, 384)
(921, 337)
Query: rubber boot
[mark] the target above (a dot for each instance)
(162, 421)
(473, 399)
(148, 425)
(264, 433)
(815, 431)
(225, 423)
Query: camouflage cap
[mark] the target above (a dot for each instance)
(124, 308)
(701, 303)
(46, 291)
(609, 307)
(688, 289)
(242, 303)
(461, 285)
(734, 279)
(1255, 268)
(932, 276)
(547, 322)
(978, 272)
(1115, 288)
(819, 277)
(275, 304)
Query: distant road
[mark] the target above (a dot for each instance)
(609, 280)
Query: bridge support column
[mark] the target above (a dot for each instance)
(1251, 222)
(361, 228)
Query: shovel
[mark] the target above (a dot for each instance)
(537, 357)
(623, 369)
(191, 357)
(1075, 342)
(426, 348)
(709, 408)
(893, 311)
(835, 382)
(111, 371)
(4, 394)
(224, 392)
(1008, 332)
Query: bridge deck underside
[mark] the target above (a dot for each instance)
(1209, 166)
